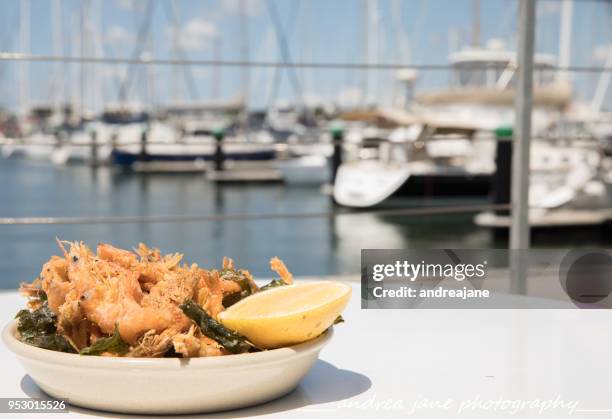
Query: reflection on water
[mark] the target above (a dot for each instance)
(310, 246)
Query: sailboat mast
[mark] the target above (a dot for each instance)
(475, 23)
(565, 37)
(175, 31)
(58, 51)
(603, 84)
(244, 51)
(374, 54)
(24, 66)
(216, 70)
(366, 50)
(81, 55)
(97, 79)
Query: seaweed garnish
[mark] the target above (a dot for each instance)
(113, 344)
(38, 328)
(230, 340)
(228, 274)
(273, 284)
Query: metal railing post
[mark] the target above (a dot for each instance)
(94, 148)
(219, 156)
(337, 134)
(143, 144)
(519, 229)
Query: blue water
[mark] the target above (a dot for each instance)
(311, 246)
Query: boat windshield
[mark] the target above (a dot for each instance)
(475, 73)
(496, 72)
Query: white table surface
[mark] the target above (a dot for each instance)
(381, 362)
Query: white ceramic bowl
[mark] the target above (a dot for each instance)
(166, 385)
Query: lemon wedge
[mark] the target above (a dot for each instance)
(289, 314)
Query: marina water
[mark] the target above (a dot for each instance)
(310, 246)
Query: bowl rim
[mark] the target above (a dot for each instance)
(33, 353)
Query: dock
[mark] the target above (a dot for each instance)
(169, 167)
(262, 175)
(566, 217)
(245, 172)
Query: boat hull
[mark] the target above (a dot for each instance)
(446, 186)
(308, 170)
(128, 158)
(368, 183)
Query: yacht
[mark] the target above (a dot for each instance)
(567, 188)
(93, 140)
(442, 144)
(38, 134)
(193, 138)
(192, 146)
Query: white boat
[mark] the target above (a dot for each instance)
(566, 188)
(37, 139)
(482, 93)
(305, 170)
(192, 148)
(445, 149)
(9, 148)
(79, 146)
(36, 146)
(307, 163)
(283, 123)
(362, 184)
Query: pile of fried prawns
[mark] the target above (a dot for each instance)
(137, 294)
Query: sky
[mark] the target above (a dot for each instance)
(398, 31)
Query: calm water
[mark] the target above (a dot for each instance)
(313, 246)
